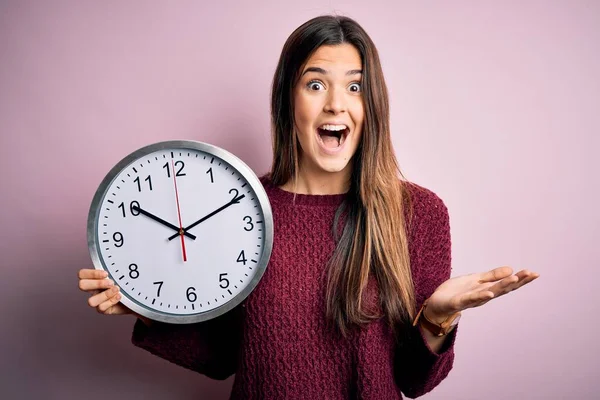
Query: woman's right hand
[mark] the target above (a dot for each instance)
(105, 294)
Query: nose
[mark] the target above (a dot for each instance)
(336, 102)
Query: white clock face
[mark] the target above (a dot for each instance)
(184, 232)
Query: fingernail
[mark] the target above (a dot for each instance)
(110, 283)
(115, 289)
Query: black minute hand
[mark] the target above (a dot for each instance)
(162, 221)
(235, 200)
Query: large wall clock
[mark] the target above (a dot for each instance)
(184, 228)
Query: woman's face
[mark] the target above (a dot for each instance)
(329, 110)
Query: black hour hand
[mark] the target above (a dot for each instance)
(235, 200)
(162, 221)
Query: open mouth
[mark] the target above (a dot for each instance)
(332, 136)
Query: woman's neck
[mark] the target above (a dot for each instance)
(319, 182)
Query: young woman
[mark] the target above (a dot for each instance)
(357, 300)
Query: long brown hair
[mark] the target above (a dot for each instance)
(373, 241)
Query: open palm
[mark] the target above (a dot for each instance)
(474, 290)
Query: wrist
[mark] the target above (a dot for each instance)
(437, 319)
(438, 325)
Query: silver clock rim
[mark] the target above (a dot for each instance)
(235, 162)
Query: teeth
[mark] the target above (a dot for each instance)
(334, 128)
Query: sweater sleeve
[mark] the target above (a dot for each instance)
(210, 348)
(418, 369)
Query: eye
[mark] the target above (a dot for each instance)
(355, 87)
(315, 85)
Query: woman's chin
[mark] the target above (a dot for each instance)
(334, 166)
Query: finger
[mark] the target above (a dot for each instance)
(522, 278)
(100, 298)
(495, 274)
(530, 279)
(524, 274)
(107, 306)
(95, 284)
(526, 280)
(504, 286)
(92, 274)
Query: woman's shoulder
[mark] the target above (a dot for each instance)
(265, 179)
(274, 193)
(422, 197)
(425, 208)
(271, 190)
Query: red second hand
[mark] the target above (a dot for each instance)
(179, 213)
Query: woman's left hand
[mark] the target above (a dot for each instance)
(474, 290)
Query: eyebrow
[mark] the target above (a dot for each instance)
(324, 72)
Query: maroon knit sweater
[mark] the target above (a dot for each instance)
(278, 342)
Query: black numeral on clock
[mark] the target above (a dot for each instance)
(118, 238)
(134, 211)
(179, 172)
(249, 225)
(223, 281)
(191, 294)
(242, 258)
(212, 180)
(236, 198)
(148, 179)
(159, 287)
(133, 271)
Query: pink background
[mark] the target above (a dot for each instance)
(494, 107)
